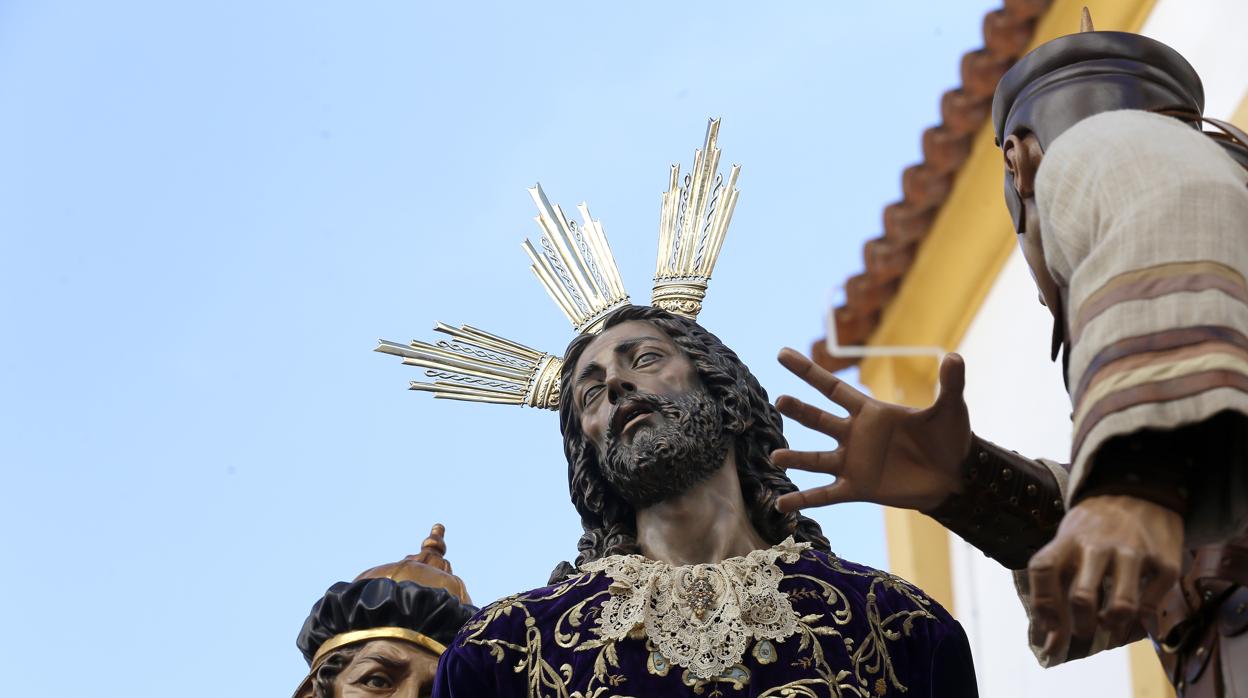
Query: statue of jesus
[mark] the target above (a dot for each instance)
(689, 580)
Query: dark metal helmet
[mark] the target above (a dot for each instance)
(1073, 77)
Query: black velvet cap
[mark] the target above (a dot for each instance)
(379, 603)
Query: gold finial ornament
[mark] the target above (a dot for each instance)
(428, 567)
(575, 265)
(1085, 21)
(433, 548)
(692, 226)
(477, 366)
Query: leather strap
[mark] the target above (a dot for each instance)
(1207, 608)
(1224, 562)
(1230, 132)
(1233, 616)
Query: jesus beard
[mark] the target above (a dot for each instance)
(665, 459)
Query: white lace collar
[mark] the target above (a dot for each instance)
(700, 617)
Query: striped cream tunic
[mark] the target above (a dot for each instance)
(1144, 223)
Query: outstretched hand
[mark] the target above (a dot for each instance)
(888, 454)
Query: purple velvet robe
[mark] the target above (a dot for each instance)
(862, 633)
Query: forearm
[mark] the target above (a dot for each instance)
(1010, 505)
(1164, 466)
(1199, 471)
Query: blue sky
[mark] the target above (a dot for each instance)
(209, 212)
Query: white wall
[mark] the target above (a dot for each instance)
(1210, 35)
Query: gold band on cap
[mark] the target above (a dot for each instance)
(389, 632)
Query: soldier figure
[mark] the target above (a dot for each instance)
(1134, 223)
(382, 634)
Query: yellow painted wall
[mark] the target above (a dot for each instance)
(1240, 118)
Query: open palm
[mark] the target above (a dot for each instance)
(888, 454)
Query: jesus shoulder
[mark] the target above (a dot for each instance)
(888, 625)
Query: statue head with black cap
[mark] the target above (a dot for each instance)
(1063, 82)
(382, 634)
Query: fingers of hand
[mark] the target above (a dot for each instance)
(1159, 577)
(1048, 598)
(795, 361)
(1085, 593)
(832, 387)
(952, 377)
(1162, 563)
(835, 493)
(830, 462)
(811, 417)
(1056, 646)
(1123, 605)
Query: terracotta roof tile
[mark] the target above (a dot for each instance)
(925, 186)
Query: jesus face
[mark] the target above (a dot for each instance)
(640, 402)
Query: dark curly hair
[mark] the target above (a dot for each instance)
(609, 522)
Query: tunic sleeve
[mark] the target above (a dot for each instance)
(1144, 222)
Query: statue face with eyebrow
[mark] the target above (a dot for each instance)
(642, 405)
(666, 431)
(379, 668)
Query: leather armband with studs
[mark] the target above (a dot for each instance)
(1009, 508)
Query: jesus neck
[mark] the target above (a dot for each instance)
(707, 524)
